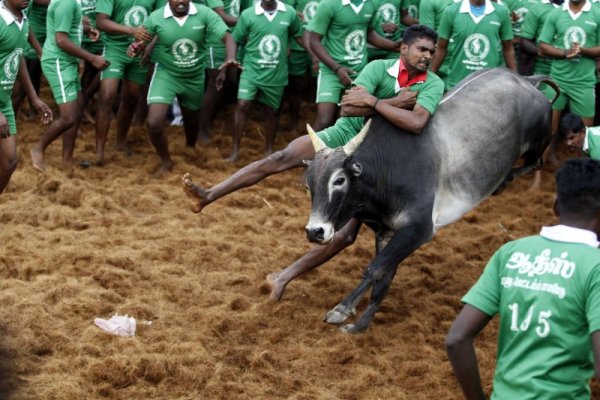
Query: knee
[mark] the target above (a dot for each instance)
(9, 164)
(154, 126)
(69, 119)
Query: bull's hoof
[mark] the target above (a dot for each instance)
(338, 314)
(352, 328)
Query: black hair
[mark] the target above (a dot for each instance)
(415, 32)
(569, 123)
(578, 188)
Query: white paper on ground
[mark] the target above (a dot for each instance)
(121, 325)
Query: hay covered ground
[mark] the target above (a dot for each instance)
(84, 243)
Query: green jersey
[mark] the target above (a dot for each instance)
(477, 40)
(591, 145)
(519, 9)
(13, 38)
(412, 7)
(343, 27)
(37, 20)
(63, 16)
(266, 36)
(546, 291)
(380, 78)
(532, 30)
(125, 12)
(308, 9)
(388, 11)
(431, 11)
(181, 46)
(88, 9)
(561, 30)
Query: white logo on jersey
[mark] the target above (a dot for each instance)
(520, 12)
(574, 34)
(309, 11)
(184, 50)
(477, 47)
(11, 65)
(269, 49)
(88, 4)
(413, 11)
(234, 8)
(135, 16)
(355, 43)
(387, 13)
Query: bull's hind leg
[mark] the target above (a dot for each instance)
(532, 162)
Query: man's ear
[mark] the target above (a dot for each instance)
(403, 49)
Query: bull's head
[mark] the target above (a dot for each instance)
(331, 177)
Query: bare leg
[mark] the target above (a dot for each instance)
(8, 160)
(69, 118)
(191, 119)
(294, 97)
(316, 256)
(156, 129)
(239, 121)
(129, 99)
(106, 97)
(325, 115)
(290, 157)
(212, 99)
(272, 123)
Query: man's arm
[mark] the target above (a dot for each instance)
(65, 44)
(547, 50)
(508, 50)
(461, 351)
(407, 19)
(230, 20)
(440, 55)
(378, 41)
(343, 73)
(529, 46)
(104, 23)
(35, 45)
(41, 107)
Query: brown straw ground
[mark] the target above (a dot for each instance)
(84, 243)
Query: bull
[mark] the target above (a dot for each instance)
(405, 187)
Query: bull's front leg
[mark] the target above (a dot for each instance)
(382, 269)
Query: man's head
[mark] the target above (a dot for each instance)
(571, 131)
(269, 5)
(577, 2)
(418, 47)
(578, 193)
(180, 8)
(16, 5)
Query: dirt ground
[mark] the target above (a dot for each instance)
(84, 243)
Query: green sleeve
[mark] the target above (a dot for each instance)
(592, 306)
(506, 29)
(371, 75)
(150, 24)
(427, 13)
(105, 7)
(320, 23)
(216, 27)
(291, 3)
(549, 29)
(430, 96)
(485, 294)
(374, 21)
(63, 16)
(296, 29)
(445, 28)
(240, 33)
(597, 29)
(530, 25)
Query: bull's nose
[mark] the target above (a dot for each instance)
(316, 235)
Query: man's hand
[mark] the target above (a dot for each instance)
(574, 51)
(141, 34)
(4, 130)
(135, 49)
(405, 99)
(230, 64)
(94, 34)
(389, 27)
(43, 110)
(99, 62)
(357, 97)
(344, 75)
(315, 64)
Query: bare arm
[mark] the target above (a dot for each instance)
(34, 43)
(104, 23)
(65, 44)
(381, 42)
(343, 73)
(229, 20)
(591, 52)
(529, 46)
(439, 55)
(41, 107)
(461, 351)
(509, 54)
(547, 50)
(406, 18)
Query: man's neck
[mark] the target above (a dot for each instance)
(18, 14)
(576, 7)
(412, 72)
(269, 9)
(477, 2)
(581, 223)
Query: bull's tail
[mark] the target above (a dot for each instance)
(537, 80)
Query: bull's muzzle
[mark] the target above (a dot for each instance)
(319, 233)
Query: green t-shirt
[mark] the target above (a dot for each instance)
(308, 9)
(63, 16)
(266, 38)
(520, 8)
(546, 291)
(343, 27)
(592, 142)
(388, 11)
(380, 78)
(561, 30)
(13, 38)
(88, 9)
(532, 29)
(412, 7)
(430, 12)
(181, 49)
(477, 41)
(125, 12)
(37, 20)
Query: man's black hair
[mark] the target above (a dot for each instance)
(570, 123)
(415, 32)
(578, 188)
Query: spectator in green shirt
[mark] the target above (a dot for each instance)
(573, 132)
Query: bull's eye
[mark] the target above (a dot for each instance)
(339, 181)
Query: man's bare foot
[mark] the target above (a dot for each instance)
(196, 194)
(277, 286)
(233, 157)
(163, 169)
(123, 147)
(37, 159)
(537, 181)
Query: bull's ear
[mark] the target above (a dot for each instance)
(356, 169)
(315, 139)
(357, 140)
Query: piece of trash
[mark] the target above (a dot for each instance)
(120, 325)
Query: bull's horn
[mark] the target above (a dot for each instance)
(315, 139)
(357, 140)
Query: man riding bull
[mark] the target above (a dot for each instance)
(403, 91)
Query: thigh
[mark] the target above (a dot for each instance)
(134, 71)
(9, 114)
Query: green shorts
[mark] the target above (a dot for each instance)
(164, 87)
(122, 66)
(268, 95)
(299, 63)
(581, 100)
(342, 132)
(63, 79)
(329, 87)
(9, 114)
(93, 47)
(215, 57)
